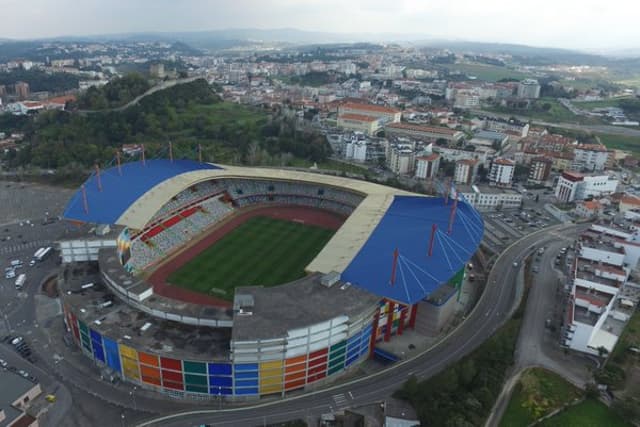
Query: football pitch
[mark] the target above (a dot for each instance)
(262, 251)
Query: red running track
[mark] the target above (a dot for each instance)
(306, 215)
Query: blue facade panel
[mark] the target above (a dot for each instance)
(220, 369)
(112, 354)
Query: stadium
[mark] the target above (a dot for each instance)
(245, 282)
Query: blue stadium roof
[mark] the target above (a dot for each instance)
(120, 191)
(407, 226)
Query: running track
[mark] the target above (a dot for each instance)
(303, 214)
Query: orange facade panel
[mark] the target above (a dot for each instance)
(295, 376)
(148, 359)
(147, 371)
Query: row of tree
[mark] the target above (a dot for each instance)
(190, 115)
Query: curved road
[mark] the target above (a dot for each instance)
(164, 85)
(492, 310)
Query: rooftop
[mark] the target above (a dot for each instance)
(13, 387)
(429, 158)
(119, 321)
(369, 107)
(295, 305)
(586, 270)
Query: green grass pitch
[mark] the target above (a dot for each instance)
(262, 251)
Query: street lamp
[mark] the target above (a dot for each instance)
(133, 396)
(122, 419)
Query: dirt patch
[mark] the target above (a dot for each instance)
(50, 287)
(305, 215)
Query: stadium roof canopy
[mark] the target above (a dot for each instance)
(361, 250)
(407, 226)
(121, 188)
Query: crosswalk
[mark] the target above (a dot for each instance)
(340, 400)
(14, 248)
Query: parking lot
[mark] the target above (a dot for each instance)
(21, 201)
(504, 227)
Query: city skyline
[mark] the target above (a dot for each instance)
(569, 24)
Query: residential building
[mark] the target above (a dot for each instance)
(356, 151)
(427, 166)
(539, 170)
(528, 89)
(157, 70)
(601, 299)
(465, 171)
(628, 202)
(423, 133)
(590, 157)
(574, 186)
(589, 209)
(401, 158)
(482, 154)
(368, 125)
(483, 197)
(511, 127)
(16, 394)
(501, 173)
(22, 90)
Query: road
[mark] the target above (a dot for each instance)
(537, 345)
(608, 129)
(164, 85)
(492, 310)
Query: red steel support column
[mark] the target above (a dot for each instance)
(374, 334)
(84, 199)
(433, 235)
(387, 332)
(452, 217)
(412, 317)
(98, 178)
(403, 316)
(393, 267)
(447, 189)
(118, 161)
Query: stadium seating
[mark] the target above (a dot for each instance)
(198, 207)
(172, 233)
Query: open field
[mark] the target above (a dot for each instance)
(490, 73)
(620, 142)
(590, 413)
(590, 105)
(262, 251)
(538, 393)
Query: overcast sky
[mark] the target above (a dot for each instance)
(557, 23)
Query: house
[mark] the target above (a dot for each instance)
(589, 209)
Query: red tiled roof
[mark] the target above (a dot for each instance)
(430, 158)
(505, 162)
(370, 107)
(630, 200)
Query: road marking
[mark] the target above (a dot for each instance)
(340, 400)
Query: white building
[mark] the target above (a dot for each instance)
(486, 198)
(356, 151)
(529, 88)
(501, 173)
(465, 171)
(574, 186)
(427, 166)
(601, 298)
(590, 157)
(401, 158)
